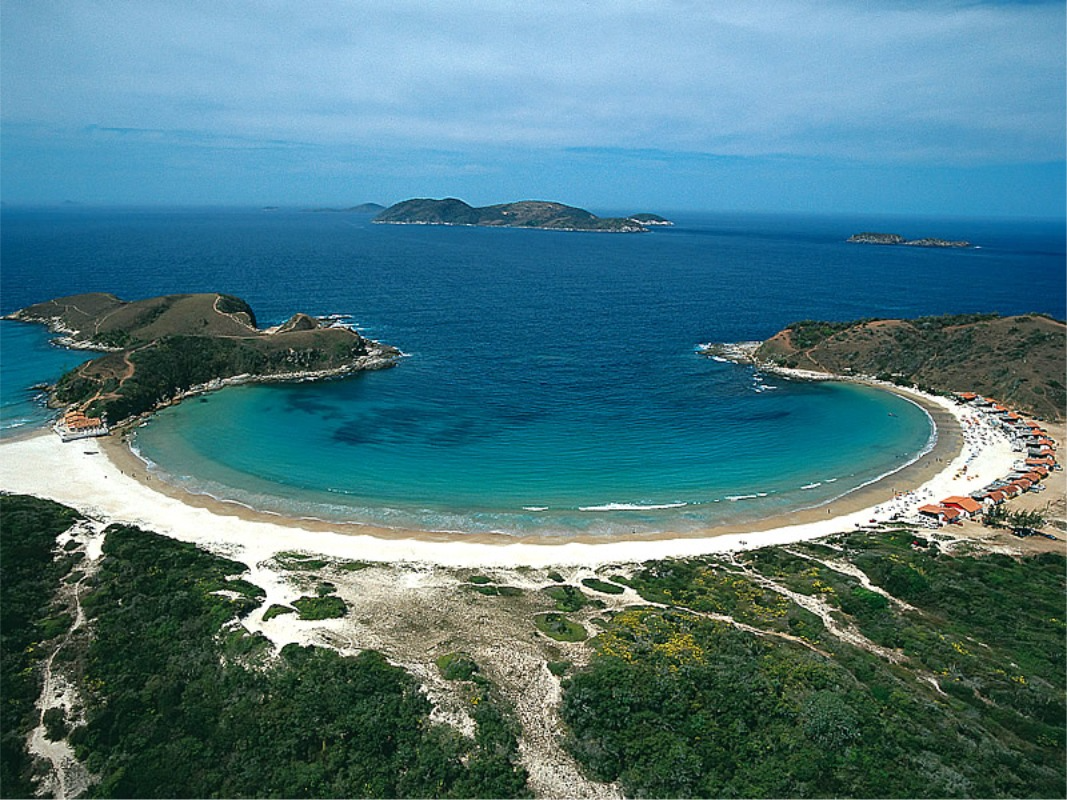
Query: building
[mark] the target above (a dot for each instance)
(75, 425)
(967, 506)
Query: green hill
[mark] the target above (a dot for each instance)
(163, 346)
(523, 214)
(1017, 360)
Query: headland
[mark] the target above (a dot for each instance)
(162, 349)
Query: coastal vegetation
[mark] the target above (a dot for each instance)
(32, 572)
(164, 346)
(892, 663)
(523, 214)
(951, 682)
(1017, 360)
(179, 702)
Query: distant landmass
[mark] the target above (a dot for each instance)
(523, 214)
(896, 238)
(1017, 360)
(650, 219)
(162, 347)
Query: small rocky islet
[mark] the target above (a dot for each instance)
(897, 239)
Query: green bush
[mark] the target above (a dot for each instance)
(558, 627)
(314, 608)
(277, 610)
(457, 667)
(598, 585)
(567, 598)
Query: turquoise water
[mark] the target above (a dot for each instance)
(30, 359)
(549, 372)
(359, 450)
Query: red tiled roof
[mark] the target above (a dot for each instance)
(935, 510)
(966, 503)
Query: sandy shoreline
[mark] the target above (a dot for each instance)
(103, 478)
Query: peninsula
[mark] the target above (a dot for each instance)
(163, 347)
(523, 214)
(1018, 360)
(896, 238)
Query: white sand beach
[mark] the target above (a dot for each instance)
(97, 478)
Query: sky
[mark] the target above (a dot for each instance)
(929, 107)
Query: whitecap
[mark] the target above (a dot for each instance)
(535, 508)
(815, 485)
(631, 507)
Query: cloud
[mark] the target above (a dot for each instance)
(465, 89)
(960, 81)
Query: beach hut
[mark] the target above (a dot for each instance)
(966, 506)
(932, 516)
(1046, 461)
(994, 498)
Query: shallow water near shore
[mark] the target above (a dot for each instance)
(365, 450)
(553, 384)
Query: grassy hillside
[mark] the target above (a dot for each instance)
(105, 320)
(1017, 360)
(162, 346)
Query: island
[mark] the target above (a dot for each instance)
(897, 239)
(523, 214)
(161, 349)
(1017, 359)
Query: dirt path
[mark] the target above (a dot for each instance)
(825, 612)
(67, 777)
(855, 572)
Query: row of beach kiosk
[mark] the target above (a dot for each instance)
(1027, 437)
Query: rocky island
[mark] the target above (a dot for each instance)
(523, 214)
(896, 238)
(161, 348)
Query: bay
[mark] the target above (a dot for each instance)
(545, 370)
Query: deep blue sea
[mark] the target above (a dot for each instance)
(551, 383)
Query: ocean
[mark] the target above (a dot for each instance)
(551, 383)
